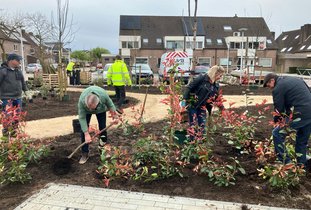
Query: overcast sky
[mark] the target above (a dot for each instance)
(97, 21)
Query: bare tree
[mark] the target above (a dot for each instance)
(10, 25)
(39, 25)
(63, 31)
(194, 29)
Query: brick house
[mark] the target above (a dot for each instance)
(294, 49)
(11, 42)
(143, 39)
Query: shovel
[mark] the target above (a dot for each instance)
(84, 143)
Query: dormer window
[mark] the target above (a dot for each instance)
(297, 37)
(302, 47)
(145, 41)
(309, 48)
(285, 37)
(289, 49)
(208, 41)
(283, 50)
(159, 40)
(269, 41)
(219, 41)
(227, 28)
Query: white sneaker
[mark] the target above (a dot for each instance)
(84, 158)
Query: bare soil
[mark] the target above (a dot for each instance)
(249, 188)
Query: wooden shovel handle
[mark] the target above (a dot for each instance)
(84, 143)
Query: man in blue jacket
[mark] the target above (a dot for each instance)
(12, 84)
(291, 92)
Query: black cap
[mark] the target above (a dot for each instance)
(14, 56)
(267, 78)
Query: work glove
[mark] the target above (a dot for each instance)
(88, 138)
(182, 104)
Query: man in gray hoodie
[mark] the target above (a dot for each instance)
(12, 83)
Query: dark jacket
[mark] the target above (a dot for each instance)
(202, 89)
(12, 83)
(293, 92)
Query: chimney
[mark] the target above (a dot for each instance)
(273, 35)
(305, 32)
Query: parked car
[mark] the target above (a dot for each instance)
(141, 70)
(33, 67)
(101, 73)
(199, 70)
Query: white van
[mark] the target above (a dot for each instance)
(184, 66)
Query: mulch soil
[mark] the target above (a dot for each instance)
(249, 188)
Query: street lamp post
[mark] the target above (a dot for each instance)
(242, 52)
(22, 53)
(228, 45)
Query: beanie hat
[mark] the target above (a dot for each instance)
(267, 78)
(14, 56)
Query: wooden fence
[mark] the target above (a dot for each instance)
(50, 80)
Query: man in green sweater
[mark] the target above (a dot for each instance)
(93, 100)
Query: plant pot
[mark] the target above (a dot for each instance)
(76, 126)
(66, 98)
(253, 87)
(180, 137)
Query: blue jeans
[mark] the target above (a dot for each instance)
(302, 138)
(15, 103)
(101, 119)
(197, 117)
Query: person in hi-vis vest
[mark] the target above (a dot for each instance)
(118, 76)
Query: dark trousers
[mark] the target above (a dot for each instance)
(120, 95)
(101, 119)
(197, 116)
(302, 138)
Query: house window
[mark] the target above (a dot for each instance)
(224, 62)
(285, 37)
(283, 50)
(309, 48)
(15, 48)
(32, 51)
(265, 62)
(130, 44)
(174, 44)
(199, 45)
(209, 41)
(204, 61)
(219, 41)
(269, 41)
(297, 37)
(141, 60)
(159, 41)
(289, 49)
(237, 45)
(302, 47)
(227, 28)
(145, 41)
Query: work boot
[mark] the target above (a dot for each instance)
(84, 158)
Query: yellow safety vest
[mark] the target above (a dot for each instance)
(118, 74)
(70, 66)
